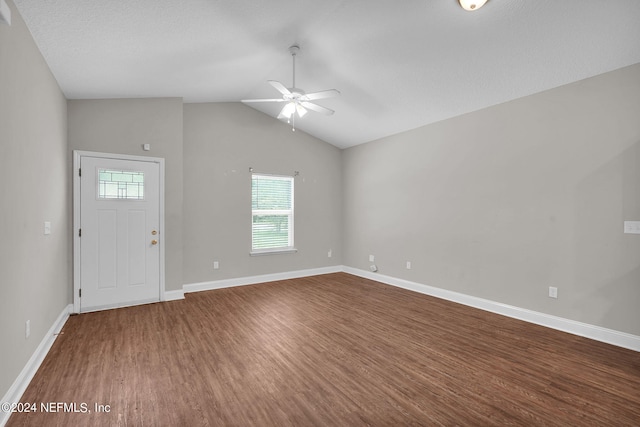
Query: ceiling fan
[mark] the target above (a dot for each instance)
(297, 102)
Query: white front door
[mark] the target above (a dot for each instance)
(119, 234)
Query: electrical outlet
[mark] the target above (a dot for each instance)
(372, 258)
(408, 265)
(216, 265)
(553, 292)
(27, 328)
(329, 254)
(47, 227)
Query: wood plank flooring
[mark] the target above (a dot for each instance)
(330, 350)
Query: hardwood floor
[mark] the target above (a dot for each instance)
(330, 350)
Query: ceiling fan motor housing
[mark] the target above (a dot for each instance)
(295, 94)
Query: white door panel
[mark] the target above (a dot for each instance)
(105, 265)
(137, 247)
(120, 240)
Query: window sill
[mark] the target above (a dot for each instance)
(260, 252)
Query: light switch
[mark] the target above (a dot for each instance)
(632, 227)
(47, 227)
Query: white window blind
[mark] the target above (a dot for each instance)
(272, 213)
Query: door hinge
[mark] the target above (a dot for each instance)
(79, 171)
(80, 293)
(79, 232)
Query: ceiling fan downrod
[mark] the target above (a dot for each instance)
(293, 50)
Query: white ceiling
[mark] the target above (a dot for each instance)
(399, 64)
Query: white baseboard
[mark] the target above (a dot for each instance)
(252, 280)
(17, 389)
(609, 336)
(173, 295)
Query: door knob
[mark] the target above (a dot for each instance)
(154, 242)
(154, 232)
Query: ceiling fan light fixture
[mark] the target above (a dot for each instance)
(288, 110)
(472, 5)
(301, 110)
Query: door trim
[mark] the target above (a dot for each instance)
(77, 155)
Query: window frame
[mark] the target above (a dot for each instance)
(290, 213)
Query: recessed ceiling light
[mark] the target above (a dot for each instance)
(472, 4)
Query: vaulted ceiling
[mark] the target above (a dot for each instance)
(398, 64)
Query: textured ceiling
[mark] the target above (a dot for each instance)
(399, 64)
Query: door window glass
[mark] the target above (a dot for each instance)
(117, 184)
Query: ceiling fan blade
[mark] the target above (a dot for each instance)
(319, 95)
(317, 108)
(279, 87)
(263, 100)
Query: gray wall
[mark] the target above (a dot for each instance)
(504, 202)
(121, 126)
(34, 187)
(221, 143)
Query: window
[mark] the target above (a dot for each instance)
(117, 184)
(272, 214)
